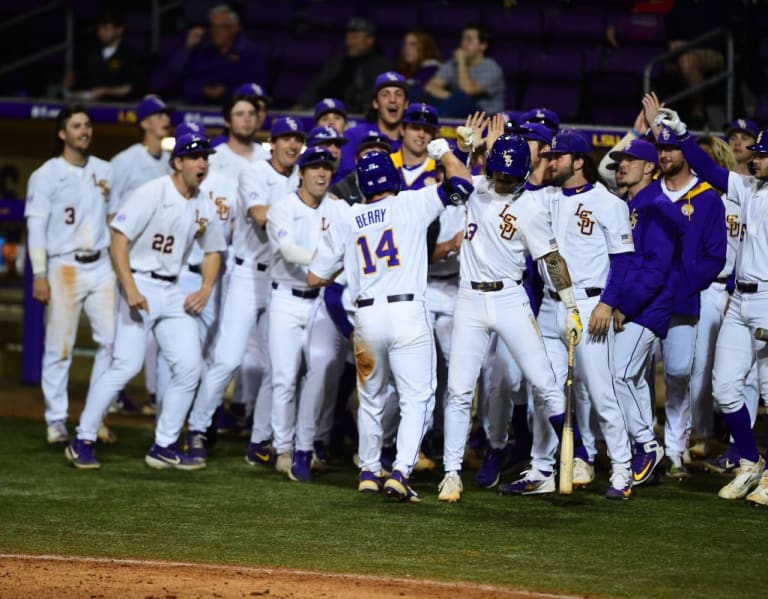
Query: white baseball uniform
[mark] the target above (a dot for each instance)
(161, 226)
(131, 168)
(500, 232)
(383, 249)
(231, 164)
(66, 213)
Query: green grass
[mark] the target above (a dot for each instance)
(672, 540)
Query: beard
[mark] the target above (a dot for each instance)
(244, 138)
(561, 176)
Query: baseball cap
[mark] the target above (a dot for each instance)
(667, 137)
(390, 79)
(637, 148)
(192, 143)
(421, 114)
(327, 105)
(374, 138)
(316, 155)
(761, 143)
(534, 132)
(545, 116)
(252, 90)
(568, 141)
(743, 125)
(321, 135)
(287, 126)
(361, 24)
(184, 128)
(150, 105)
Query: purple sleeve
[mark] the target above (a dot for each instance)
(620, 264)
(455, 190)
(534, 285)
(705, 167)
(336, 311)
(710, 257)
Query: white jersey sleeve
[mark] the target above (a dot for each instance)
(131, 168)
(331, 249)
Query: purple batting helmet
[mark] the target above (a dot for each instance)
(509, 155)
(376, 173)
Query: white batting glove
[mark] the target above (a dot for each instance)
(466, 137)
(573, 326)
(669, 118)
(437, 148)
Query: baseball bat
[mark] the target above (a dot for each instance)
(761, 335)
(566, 444)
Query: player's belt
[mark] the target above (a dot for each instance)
(443, 277)
(488, 285)
(87, 258)
(195, 268)
(722, 280)
(259, 265)
(303, 293)
(587, 292)
(391, 299)
(747, 287)
(153, 275)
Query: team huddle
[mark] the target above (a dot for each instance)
(452, 274)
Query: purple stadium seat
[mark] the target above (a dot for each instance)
(563, 98)
(388, 16)
(259, 14)
(289, 86)
(309, 54)
(761, 109)
(619, 114)
(448, 19)
(554, 66)
(630, 59)
(196, 11)
(619, 86)
(641, 28)
(328, 14)
(511, 93)
(508, 58)
(571, 25)
(518, 23)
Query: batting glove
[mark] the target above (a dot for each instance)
(437, 148)
(669, 118)
(573, 326)
(466, 137)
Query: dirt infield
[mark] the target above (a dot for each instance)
(60, 576)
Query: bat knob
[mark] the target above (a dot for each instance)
(761, 334)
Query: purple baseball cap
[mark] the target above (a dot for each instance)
(545, 116)
(534, 132)
(421, 114)
(390, 79)
(150, 105)
(321, 135)
(761, 143)
(316, 155)
(191, 143)
(184, 128)
(743, 125)
(374, 138)
(568, 141)
(639, 149)
(252, 90)
(327, 105)
(287, 126)
(667, 137)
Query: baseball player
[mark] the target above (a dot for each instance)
(419, 128)
(244, 301)
(294, 226)
(151, 236)
(382, 247)
(737, 348)
(503, 225)
(67, 236)
(331, 112)
(325, 136)
(643, 311)
(741, 134)
(348, 188)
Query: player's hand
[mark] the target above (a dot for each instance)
(136, 301)
(456, 241)
(573, 326)
(670, 118)
(41, 290)
(600, 320)
(641, 125)
(437, 148)
(477, 122)
(618, 320)
(465, 138)
(195, 302)
(651, 107)
(194, 36)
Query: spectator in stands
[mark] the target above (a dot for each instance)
(208, 69)
(351, 75)
(419, 61)
(111, 72)
(470, 81)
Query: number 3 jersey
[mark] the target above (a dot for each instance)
(73, 200)
(162, 226)
(501, 230)
(382, 245)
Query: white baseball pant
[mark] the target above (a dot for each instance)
(677, 349)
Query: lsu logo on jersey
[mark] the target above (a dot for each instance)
(585, 222)
(103, 185)
(733, 227)
(222, 208)
(633, 218)
(507, 227)
(202, 224)
(324, 224)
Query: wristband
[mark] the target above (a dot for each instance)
(39, 260)
(568, 298)
(636, 133)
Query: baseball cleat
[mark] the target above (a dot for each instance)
(620, 486)
(225, 422)
(149, 408)
(260, 454)
(196, 445)
(370, 482)
(82, 454)
(398, 488)
(583, 472)
(748, 476)
(760, 495)
(490, 471)
(301, 470)
(284, 461)
(647, 457)
(676, 469)
(106, 435)
(424, 463)
(450, 488)
(725, 462)
(532, 482)
(163, 458)
(319, 456)
(699, 450)
(56, 433)
(388, 455)
(123, 405)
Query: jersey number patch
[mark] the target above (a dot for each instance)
(385, 250)
(162, 243)
(69, 215)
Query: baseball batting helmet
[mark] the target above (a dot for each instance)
(761, 143)
(509, 155)
(376, 173)
(316, 155)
